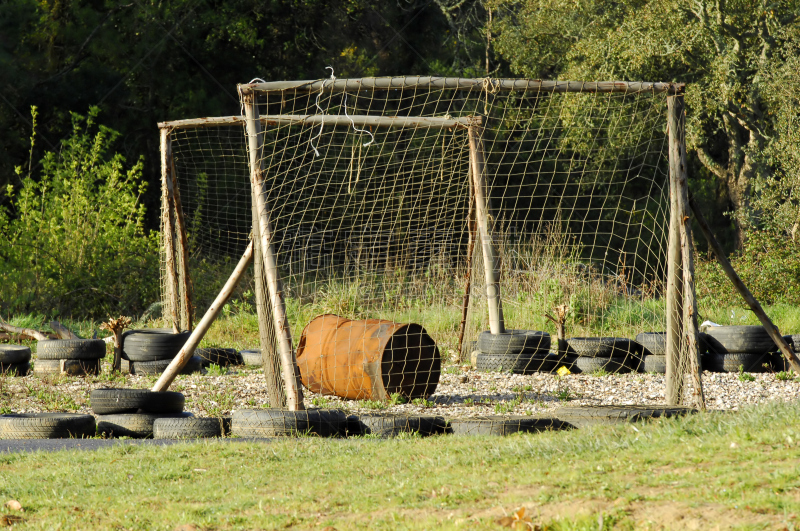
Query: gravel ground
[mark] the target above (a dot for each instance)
(462, 392)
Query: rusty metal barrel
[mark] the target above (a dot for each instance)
(369, 359)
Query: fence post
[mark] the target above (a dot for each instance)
(168, 224)
(289, 370)
(266, 328)
(478, 166)
(182, 252)
(677, 143)
(674, 376)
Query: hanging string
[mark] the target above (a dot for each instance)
(321, 111)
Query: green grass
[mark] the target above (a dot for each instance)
(727, 471)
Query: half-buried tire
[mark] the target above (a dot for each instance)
(135, 425)
(580, 416)
(219, 356)
(501, 425)
(386, 425)
(260, 423)
(14, 354)
(66, 367)
(190, 428)
(46, 426)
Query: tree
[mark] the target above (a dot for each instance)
(721, 48)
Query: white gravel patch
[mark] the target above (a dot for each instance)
(461, 392)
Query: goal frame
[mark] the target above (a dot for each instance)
(681, 314)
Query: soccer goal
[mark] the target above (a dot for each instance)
(462, 206)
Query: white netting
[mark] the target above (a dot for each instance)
(577, 188)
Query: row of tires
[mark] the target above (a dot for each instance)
(146, 352)
(161, 416)
(723, 349)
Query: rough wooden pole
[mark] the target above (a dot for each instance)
(168, 233)
(266, 328)
(289, 370)
(676, 121)
(674, 376)
(468, 286)
(186, 352)
(751, 301)
(184, 280)
(478, 167)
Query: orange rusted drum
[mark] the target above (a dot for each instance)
(369, 359)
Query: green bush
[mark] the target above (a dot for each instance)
(767, 265)
(75, 242)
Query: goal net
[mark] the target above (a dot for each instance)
(373, 193)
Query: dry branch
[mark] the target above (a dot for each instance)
(35, 334)
(116, 326)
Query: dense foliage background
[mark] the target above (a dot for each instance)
(83, 193)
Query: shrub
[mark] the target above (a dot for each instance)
(76, 243)
(767, 265)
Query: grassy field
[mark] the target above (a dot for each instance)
(709, 471)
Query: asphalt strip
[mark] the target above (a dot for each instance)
(11, 446)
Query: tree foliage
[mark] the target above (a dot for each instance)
(75, 240)
(722, 49)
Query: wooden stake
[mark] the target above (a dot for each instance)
(186, 352)
(676, 125)
(168, 233)
(184, 280)
(751, 301)
(266, 325)
(289, 370)
(674, 376)
(496, 323)
(470, 246)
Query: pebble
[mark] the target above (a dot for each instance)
(461, 392)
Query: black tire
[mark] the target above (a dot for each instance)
(654, 343)
(223, 357)
(517, 363)
(135, 425)
(500, 425)
(14, 354)
(580, 416)
(70, 349)
(386, 425)
(514, 342)
(15, 369)
(153, 368)
(111, 401)
(190, 428)
(738, 339)
(731, 362)
(260, 423)
(604, 347)
(153, 344)
(67, 367)
(46, 426)
(656, 364)
(612, 365)
(794, 341)
(252, 357)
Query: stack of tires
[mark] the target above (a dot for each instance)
(609, 354)
(655, 351)
(135, 412)
(732, 347)
(73, 357)
(150, 351)
(15, 360)
(223, 357)
(517, 351)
